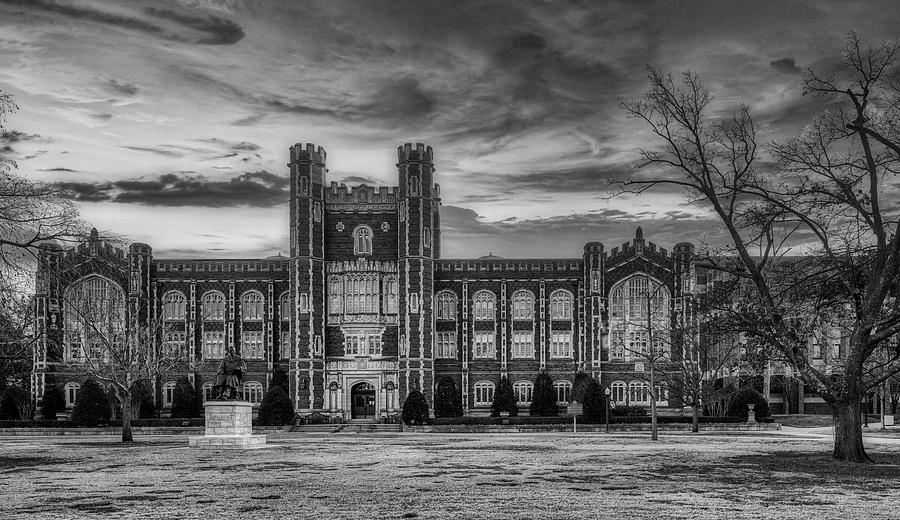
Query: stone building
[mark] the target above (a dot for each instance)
(365, 308)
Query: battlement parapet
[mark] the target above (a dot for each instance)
(418, 152)
(307, 152)
(361, 194)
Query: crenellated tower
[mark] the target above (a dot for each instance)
(418, 233)
(307, 249)
(683, 294)
(48, 318)
(593, 307)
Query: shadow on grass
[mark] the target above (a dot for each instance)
(8, 463)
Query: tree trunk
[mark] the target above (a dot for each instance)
(848, 441)
(126, 419)
(654, 435)
(695, 422)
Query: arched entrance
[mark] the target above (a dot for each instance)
(362, 401)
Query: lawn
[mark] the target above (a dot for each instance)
(448, 476)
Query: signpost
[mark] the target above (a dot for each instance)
(576, 409)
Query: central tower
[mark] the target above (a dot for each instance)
(418, 249)
(307, 169)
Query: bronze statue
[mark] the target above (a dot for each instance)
(229, 376)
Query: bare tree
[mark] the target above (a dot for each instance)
(832, 193)
(125, 354)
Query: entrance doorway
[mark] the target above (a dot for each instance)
(362, 401)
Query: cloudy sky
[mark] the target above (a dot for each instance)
(169, 121)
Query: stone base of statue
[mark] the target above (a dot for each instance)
(229, 425)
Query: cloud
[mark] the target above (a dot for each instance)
(121, 87)
(164, 23)
(251, 189)
(785, 66)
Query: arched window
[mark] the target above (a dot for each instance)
(618, 392)
(485, 304)
(252, 306)
(213, 306)
(523, 305)
(561, 305)
(94, 318)
(563, 391)
(174, 306)
(639, 296)
(484, 393)
(168, 393)
(639, 311)
(638, 392)
(414, 185)
(253, 392)
(523, 391)
(71, 391)
(362, 240)
(285, 310)
(446, 306)
(335, 295)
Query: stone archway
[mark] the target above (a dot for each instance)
(362, 401)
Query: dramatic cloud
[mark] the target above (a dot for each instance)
(785, 66)
(259, 189)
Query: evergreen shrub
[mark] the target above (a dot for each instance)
(415, 408)
(91, 406)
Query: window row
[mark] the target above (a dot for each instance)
(521, 345)
(252, 304)
(484, 305)
(635, 392)
(363, 344)
(363, 294)
(523, 390)
(630, 342)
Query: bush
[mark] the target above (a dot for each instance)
(594, 403)
(543, 401)
(415, 408)
(447, 399)
(276, 408)
(628, 411)
(582, 380)
(91, 406)
(54, 402)
(280, 379)
(504, 400)
(142, 406)
(745, 396)
(184, 400)
(10, 403)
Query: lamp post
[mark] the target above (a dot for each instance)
(607, 392)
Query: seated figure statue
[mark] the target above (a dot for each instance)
(229, 376)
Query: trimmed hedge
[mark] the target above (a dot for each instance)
(594, 402)
(37, 424)
(504, 400)
(415, 408)
(447, 399)
(568, 420)
(276, 408)
(113, 423)
(543, 401)
(91, 405)
(54, 402)
(745, 396)
(184, 400)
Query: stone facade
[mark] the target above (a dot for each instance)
(364, 309)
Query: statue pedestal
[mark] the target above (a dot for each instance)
(229, 425)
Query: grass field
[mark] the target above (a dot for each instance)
(448, 476)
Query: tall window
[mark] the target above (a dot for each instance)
(94, 318)
(252, 345)
(285, 344)
(285, 310)
(563, 391)
(391, 295)
(71, 391)
(561, 344)
(484, 345)
(213, 344)
(617, 394)
(561, 305)
(445, 345)
(639, 311)
(638, 392)
(362, 240)
(213, 306)
(523, 391)
(252, 306)
(413, 185)
(175, 345)
(484, 393)
(523, 305)
(522, 345)
(168, 393)
(253, 392)
(336, 295)
(485, 305)
(446, 306)
(362, 294)
(174, 306)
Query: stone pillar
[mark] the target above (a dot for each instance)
(229, 425)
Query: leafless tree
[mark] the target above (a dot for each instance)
(834, 192)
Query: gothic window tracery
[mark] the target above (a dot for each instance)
(362, 240)
(174, 306)
(446, 306)
(94, 318)
(252, 306)
(213, 306)
(484, 303)
(561, 305)
(523, 305)
(639, 319)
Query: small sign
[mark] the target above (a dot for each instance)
(638, 367)
(576, 409)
